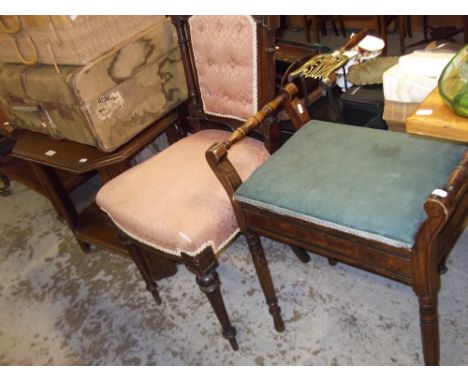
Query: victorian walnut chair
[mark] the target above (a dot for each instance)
(319, 24)
(172, 205)
(367, 198)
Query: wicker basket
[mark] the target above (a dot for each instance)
(66, 40)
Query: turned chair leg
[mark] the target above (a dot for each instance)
(428, 316)
(5, 189)
(264, 276)
(300, 253)
(139, 260)
(210, 285)
(443, 268)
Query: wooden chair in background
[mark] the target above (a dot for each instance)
(439, 33)
(381, 24)
(319, 24)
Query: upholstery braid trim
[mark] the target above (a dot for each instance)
(177, 251)
(324, 223)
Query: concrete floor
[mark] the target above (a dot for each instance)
(59, 306)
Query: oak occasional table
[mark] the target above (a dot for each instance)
(435, 119)
(48, 156)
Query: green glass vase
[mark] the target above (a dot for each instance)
(453, 83)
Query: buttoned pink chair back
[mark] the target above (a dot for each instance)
(225, 56)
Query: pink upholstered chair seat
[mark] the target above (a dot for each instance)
(173, 201)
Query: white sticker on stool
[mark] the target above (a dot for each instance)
(440, 192)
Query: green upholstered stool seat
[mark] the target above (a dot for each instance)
(367, 182)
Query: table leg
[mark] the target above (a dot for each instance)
(58, 196)
(172, 134)
(5, 189)
(109, 172)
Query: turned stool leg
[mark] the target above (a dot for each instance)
(300, 253)
(264, 276)
(428, 316)
(210, 285)
(139, 260)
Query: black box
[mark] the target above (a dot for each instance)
(363, 106)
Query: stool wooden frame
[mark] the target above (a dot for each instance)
(417, 267)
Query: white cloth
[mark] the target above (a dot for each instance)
(400, 86)
(426, 63)
(415, 76)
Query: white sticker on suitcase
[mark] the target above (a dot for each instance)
(108, 105)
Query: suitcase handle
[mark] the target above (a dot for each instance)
(25, 61)
(25, 108)
(13, 32)
(14, 29)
